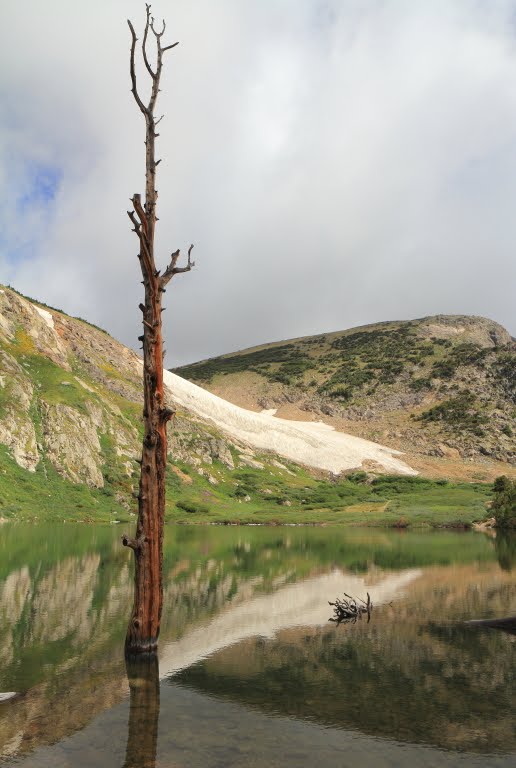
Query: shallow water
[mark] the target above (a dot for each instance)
(250, 671)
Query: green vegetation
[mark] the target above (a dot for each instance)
(274, 496)
(44, 495)
(244, 496)
(461, 412)
(282, 363)
(462, 354)
(467, 378)
(504, 502)
(55, 385)
(374, 356)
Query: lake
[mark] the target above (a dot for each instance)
(251, 672)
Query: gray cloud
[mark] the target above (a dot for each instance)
(335, 163)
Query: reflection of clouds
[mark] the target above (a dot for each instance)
(13, 596)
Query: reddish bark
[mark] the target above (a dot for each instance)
(143, 630)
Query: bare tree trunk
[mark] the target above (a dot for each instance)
(143, 630)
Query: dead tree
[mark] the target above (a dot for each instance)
(347, 609)
(147, 545)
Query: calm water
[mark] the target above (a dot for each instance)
(251, 673)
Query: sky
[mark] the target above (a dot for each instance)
(334, 162)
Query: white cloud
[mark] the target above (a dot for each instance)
(334, 163)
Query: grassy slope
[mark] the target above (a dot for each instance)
(246, 495)
(298, 497)
(390, 501)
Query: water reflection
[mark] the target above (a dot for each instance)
(142, 727)
(505, 544)
(246, 633)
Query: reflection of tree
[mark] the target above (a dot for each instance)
(208, 570)
(505, 544)
(142, 736)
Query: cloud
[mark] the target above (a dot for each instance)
(334, 164)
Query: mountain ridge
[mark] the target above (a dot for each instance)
(71, 430)
(443, 383)
(352, 329)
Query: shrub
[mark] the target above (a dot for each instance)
(416, 385)
(192, 507)
(460, 412)
(341, 393)
(358, 477)
(504, 503)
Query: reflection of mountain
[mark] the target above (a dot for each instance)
(410, 674)
(65, 594)
(304, 603)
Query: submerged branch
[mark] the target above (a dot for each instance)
(348, 609)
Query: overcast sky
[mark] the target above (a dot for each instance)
(335, 163)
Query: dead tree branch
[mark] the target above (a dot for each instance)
(349, 610)
(132, 69)
(144, 43)
(172, 269)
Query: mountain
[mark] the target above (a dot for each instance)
(440, 389)
(70, 438)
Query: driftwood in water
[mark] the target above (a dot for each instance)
(348, 609)
(506, 625)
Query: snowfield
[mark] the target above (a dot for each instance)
(313, 444)
(47, 317)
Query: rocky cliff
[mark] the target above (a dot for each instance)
(70, 406)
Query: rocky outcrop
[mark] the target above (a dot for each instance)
(66, 390)
(17, 429)
(72, 444)
(470, 329)
(32, 327)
